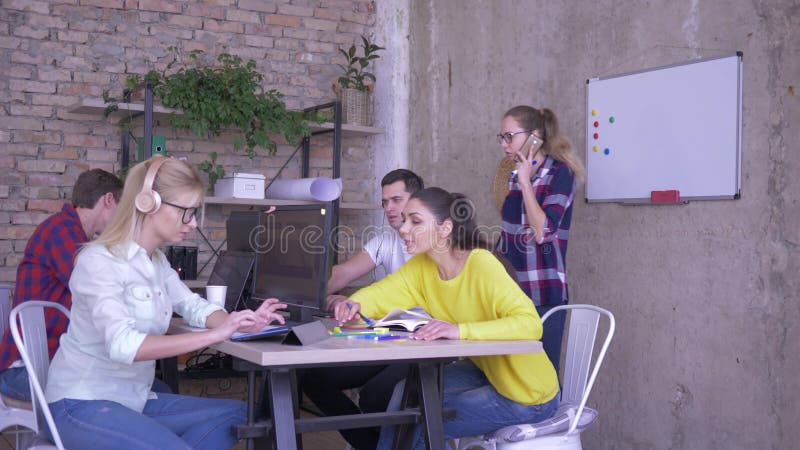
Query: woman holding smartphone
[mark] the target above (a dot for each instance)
(537, 211)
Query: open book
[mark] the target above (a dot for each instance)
(402, 319)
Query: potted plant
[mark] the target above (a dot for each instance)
(355, 85)
(225, 97)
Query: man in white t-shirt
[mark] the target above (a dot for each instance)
(386, 249)
(324, 386)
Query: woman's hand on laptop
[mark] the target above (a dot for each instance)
(267, 311)
(237, 321)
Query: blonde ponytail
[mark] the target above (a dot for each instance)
(556, 144)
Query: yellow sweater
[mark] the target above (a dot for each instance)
(486, 304)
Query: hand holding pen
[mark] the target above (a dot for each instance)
(346, 311)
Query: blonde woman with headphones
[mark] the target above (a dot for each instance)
(123, 295)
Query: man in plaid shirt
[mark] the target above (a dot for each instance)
(47, 265)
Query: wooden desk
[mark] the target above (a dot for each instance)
(280, 360)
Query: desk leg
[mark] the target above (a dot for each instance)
(251, 404)
(280, 384)
(431, 405)
(169, 373)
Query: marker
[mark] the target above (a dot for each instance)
(379, 337)
(337, 332)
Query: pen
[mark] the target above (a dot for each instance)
(366, 319)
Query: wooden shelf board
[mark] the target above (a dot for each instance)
(356, 205)
(254, 201)
(348, 130)
(195, 284)
(96, 106)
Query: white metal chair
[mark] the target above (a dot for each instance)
(5, 304)
(563, 430)
(34, 353)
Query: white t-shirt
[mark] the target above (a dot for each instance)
(387, 250)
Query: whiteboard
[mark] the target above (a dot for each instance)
(664, 129)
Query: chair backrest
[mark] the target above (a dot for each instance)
(5, 305)
(577, 380)
(32, 345)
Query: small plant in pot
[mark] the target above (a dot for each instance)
(355, 85)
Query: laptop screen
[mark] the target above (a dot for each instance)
(233, 269)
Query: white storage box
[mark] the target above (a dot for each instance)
(240, 185)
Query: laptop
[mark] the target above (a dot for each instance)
(233, 269)
(268, 332)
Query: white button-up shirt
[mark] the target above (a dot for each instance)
(116, 303)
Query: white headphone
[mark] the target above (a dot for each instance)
(147, 200)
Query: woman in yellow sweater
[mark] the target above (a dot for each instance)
(470, 296)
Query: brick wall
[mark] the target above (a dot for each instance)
(55, 53)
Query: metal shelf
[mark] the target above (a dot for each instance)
(150, 112)
(210, 200)
(97, 107)
(196, 284)
(361, 206)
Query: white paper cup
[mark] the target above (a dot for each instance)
(216, 294)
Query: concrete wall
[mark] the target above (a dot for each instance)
(705, 294)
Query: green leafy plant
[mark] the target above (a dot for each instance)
(225, 96)
(355, 73)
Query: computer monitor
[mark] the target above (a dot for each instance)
(239, 228)
(293, 257)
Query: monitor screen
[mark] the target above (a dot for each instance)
(293, 253)
(239, 227)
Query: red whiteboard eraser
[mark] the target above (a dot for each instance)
(670, 196)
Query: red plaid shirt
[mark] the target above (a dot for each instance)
(44, 274)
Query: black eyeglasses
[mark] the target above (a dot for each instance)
(188, 213)
(507, 137)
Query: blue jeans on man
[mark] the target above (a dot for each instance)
(14, 384)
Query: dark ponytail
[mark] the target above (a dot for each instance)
(459, 209)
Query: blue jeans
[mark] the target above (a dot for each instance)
(480, 409)
(14, 384)
(169, 422)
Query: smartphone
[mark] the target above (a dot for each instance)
(531, 146)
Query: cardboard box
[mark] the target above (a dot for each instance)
(240, 185)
